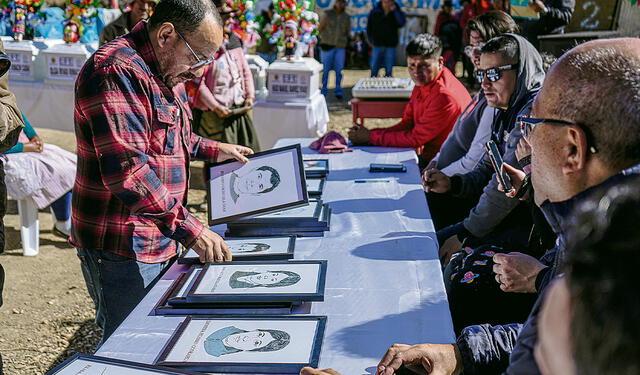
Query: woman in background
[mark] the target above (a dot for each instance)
(222, 98)
(43, 172)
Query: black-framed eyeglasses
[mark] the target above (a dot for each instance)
(527, 124)
(200, 63)
(493, 74)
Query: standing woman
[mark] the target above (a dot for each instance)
(222, 98)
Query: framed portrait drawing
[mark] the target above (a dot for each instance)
(316, 168)
(174, 301)
(292, 281)
(272, 180)
(240, 344)
(86, 364)
(315, 186)
(251, 248)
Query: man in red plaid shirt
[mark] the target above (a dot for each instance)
(133, 129)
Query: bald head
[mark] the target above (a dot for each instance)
(597, 85)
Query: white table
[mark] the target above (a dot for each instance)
(384, 283)
(44, 105)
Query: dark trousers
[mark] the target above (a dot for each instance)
(116, 284)
(447, 210)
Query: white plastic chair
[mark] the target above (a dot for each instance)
(29, 227)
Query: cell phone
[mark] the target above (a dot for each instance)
(496, 162)
(397, 168)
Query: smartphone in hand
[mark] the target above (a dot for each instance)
(496, 162)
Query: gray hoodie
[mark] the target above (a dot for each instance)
(493, 205)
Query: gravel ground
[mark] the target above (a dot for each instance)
(47, 314)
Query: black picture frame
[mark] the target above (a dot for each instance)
(59, 369)
(304, 200)
(317, 193)
(245, 367)
(317, 173)
(274, 220)
(183, 259)
(172, 303)
(253, 298)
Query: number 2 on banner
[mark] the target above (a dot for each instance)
(591, 22)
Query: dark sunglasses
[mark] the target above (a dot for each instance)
(200, 63)
(528, 123)
(493, 74)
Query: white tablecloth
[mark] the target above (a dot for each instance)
(45, 106)
(275, 120)
(384, 283)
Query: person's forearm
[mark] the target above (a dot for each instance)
(205, 96)
(485, 349)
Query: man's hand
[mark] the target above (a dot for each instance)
(436, 181)
(517, 178)
(516, 272)
(315, 371)
(538, 6)
(438, 359)
(211, 248)
(359, 135)
(248, 102)
(222, 112)
(32, 147)
(451, 246)
(228, 151)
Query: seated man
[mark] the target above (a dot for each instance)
(511, 73)
(592, 307)
(464, 147)
(436, 102)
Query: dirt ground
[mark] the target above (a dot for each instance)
(47, 314)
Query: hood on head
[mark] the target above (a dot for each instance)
(530, 71)
(5, 64)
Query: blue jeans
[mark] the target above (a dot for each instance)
(116, 284)
(332, 59)
(62, 207)
(268, 57)
(380, 55)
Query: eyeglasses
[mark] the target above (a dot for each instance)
(471, 51)
(200, 63)
(493, 74)
(528, 123)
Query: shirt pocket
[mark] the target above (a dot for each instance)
(165, 130)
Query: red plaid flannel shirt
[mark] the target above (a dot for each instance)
(134, 146)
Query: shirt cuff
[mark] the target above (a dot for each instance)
(208, 150)
(541, 276)
(189, 231)
(456, 184)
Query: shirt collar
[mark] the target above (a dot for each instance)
(434, 81)
(140, 36)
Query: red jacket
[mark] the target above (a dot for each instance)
(428, 117)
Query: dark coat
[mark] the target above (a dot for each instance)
(382, 29)
(508, 348)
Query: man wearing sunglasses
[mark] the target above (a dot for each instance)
(133, 129)
(510, 73)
